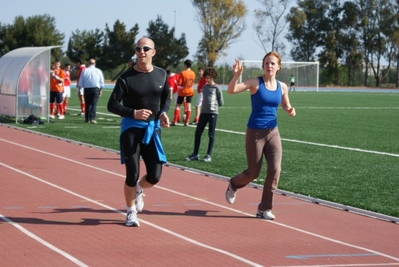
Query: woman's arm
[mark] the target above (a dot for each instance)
(234, 87)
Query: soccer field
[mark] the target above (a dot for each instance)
(341, 147)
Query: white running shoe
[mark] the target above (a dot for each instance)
(267, 214)
(61, 117)
(139, 201)
(131, 219)
(230, 195)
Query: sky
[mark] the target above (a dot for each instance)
(95, 14)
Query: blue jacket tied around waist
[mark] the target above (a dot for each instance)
(150, 132)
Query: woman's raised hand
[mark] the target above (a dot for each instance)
(237, 68)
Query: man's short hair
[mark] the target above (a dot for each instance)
(188, 63)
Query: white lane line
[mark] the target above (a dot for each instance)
(208, 202)
(283, 225)
(299, 141)
(41, 241)
(342, 147)
(190, 240)
(323, 145)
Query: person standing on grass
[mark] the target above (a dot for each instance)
(262, 138)
(172, 82)
(67, 87)
(92, 80)
(198, 105)
(292, 82)
(57, 77)
(145, 96)
(78, 69)
(186, 92)
(212, 100)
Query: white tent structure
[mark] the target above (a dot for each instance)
(24, 82)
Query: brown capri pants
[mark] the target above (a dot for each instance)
(259, 143)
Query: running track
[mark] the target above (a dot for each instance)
(61, 204)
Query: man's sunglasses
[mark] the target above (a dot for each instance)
(144, 48)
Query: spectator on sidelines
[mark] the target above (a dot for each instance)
(57, 77)
(67, 87)
(172, 83)
(92, 80)
(186, 92)
(213, 99)
(79, 67)
(292, 82)
(201, 83)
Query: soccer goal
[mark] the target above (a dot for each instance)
(306, 74)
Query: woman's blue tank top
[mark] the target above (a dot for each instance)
(264, 105)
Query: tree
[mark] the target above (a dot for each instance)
(270, 24)
(221, 22)
(389, 27)
(2, 34)
(202, 56)
(118, 46)
(37, 30)
(306, 28)
(351, 53)
(331, 49)
(170, 51)
(396, 41)
(85, 45)
(376, 34)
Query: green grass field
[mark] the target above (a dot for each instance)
(341, 147)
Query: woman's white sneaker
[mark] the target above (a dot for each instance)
(230, 195)
(267, 214)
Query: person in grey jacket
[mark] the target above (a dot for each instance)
(212, 100)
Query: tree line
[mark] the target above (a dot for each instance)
(346, 37)
(112, 48)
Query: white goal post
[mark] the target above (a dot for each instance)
(306, 73)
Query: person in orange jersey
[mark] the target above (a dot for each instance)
(57, 76)
(186, 91)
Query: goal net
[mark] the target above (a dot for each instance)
(306, 74)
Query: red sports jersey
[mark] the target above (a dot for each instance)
(172, 82)
(81, 68)
(201, 83)
(67, 79)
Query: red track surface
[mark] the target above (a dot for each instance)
(61, 204)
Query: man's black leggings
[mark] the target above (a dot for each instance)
(132, 149)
